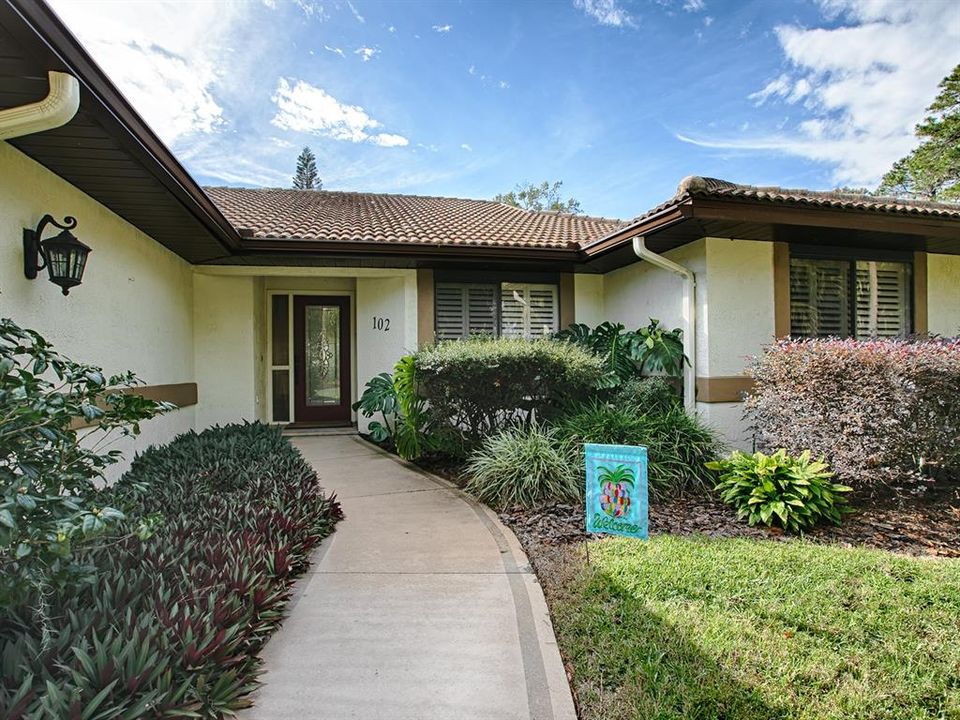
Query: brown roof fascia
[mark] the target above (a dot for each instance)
(359, 248)
(845, 218)
(661, 220)
(114, 109)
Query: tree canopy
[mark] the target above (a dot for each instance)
(545, 196)
(932, 171)
(306, 176)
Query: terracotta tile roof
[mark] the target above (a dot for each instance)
(401, 219)
(695, 186)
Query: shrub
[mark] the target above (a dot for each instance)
(792, 492)
(628, 353)
(524, 465)
(678, 445)
(654, 394)
(47, 473)
(877, 410)
(169, 626)
(477, 387)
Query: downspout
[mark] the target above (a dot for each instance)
(689, 313)
(56, 109)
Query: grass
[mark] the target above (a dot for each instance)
(697, 628)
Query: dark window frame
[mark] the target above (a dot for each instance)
(852, 256)
(454, 277)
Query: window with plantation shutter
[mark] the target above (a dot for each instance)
(819, 298)
(849, 298)
(465, 309)
(528, 311)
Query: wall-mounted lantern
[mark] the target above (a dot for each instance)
(63, 255)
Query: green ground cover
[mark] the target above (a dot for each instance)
(699, 628)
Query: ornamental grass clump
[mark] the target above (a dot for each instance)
(794, 493)
(527, 465)
(678, 444)
(170, 625)
(878, 410)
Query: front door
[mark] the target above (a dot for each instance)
(321, 350)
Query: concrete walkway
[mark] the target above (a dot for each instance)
(421, 605)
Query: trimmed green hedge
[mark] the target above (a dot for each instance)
(475, 388)
(170, 625)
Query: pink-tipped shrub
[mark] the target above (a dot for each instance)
(879, 410)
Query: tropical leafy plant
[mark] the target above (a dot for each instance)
(49, 463)
(379, 397)
(653, 394)
(524, 465)
(793, 492)
(627, 354)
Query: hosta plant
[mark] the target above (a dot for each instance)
(792, 492)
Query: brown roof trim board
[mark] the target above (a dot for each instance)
(703, 198)
(102, 99)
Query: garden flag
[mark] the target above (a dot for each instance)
(617, 490)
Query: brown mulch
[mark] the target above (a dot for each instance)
(925, 524)
(921, 519)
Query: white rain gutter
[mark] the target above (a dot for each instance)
(55, 110)
(689, 314)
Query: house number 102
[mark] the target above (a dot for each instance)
(381, 323)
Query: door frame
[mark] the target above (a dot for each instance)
(301, 411)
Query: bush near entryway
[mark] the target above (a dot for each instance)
(169, 626)
(878, 410)
(475, 388)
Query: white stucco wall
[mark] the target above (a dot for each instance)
(588, 299)
(943, 294)
(388, 298)
(134, 310)
(225, 334)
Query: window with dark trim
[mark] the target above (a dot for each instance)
(848, 296)
(509, 309)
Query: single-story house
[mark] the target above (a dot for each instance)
(277, 305)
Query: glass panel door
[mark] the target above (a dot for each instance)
(323, 355)
(321, 348)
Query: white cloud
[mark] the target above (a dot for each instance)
(694, 5)
(166, 57)
(367, 53)
(503, 84)
(389, 140)
(442, 28)
(864, 84)
(391, 29)
(335, 50)
(356, 14)
(302, 107)
(606, 12)
(708, 20)
(466, 147)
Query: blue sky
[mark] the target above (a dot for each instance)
(619, 100)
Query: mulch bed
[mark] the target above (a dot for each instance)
(915, 523)
(921, 519)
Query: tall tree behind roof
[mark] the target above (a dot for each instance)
(306, 176)
(545, 196)
(932, 171)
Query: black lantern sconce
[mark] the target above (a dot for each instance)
(63, 255)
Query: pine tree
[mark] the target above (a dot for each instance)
(306, 177)
(933, 170)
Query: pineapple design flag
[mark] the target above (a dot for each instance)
(616, 489)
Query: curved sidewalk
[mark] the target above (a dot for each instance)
(421, 605)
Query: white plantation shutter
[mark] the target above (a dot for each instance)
(464, 309)
(528, 311)
(883, 299)
(819, 298)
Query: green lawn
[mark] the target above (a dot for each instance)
(733, 629)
